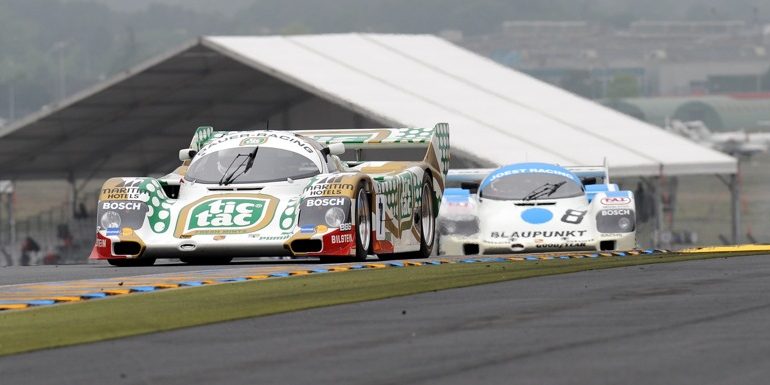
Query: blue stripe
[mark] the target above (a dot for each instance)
(41, 302)
(143, 288)
(226, 280)
(279, 274)
(191, 283)
(93, 295)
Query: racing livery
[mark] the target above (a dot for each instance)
(280, 193)
(529, 207)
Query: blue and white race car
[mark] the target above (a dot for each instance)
(527, 207)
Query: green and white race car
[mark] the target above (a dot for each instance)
(280, 193)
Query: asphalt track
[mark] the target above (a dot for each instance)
(698, 322)
(14, 275)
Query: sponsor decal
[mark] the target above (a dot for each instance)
(342, 238)
(307, 229)
(101, 242)
(122, 205)
(346, 227)
(227, 214)
(337, 201)
(113, 231)
(616, 212)
(288, 138)
(280, 237)
(616, 201)
(219, 237)
(254, 138)
(121, 193)
(252, 141)
(611, 235)
(560, 245)
(538, 234)
(320, 189)
(534, 168)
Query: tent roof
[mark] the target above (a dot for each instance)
(136, 121)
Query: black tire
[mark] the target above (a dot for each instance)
(363, 218)
(206, 260)
(427, 228)
(132, 262)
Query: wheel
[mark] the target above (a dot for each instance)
(426, 221)
(363, 224)
(206, 260)
(132, 262)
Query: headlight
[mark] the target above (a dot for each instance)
(624, 224)
(334, 217)
(110, 220)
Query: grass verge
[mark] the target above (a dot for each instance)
(135, 314)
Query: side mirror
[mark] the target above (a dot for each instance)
(186, 154)
(337, 148)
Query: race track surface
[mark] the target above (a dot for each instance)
(14, 275)
(699, 322)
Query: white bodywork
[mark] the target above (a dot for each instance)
(469, 224)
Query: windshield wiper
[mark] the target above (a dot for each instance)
(249, 162)
(544, 190)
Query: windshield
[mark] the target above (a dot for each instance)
(269, 165)
(531, 186)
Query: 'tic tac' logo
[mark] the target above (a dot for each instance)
(226, 214)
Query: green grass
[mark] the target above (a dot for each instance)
(134, 314)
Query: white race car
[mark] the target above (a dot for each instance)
(280, 193)
(528, 207)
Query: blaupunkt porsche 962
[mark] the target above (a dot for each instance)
(280, 193)
(535, 207)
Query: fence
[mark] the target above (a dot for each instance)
(59, 235)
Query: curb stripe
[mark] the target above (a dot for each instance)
(146, 285)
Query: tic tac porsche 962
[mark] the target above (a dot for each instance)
(280, 193)
(535, 207)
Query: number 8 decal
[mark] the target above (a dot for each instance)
(573, 216)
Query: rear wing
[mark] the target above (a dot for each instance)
(435, 140)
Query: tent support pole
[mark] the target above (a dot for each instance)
(733, 183)
(11, 215)
(659, 220)
(73, 195)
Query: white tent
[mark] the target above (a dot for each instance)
(496, 113)
(135, 121)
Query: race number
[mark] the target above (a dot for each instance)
(573, 216)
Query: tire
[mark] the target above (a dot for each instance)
(206, 260)
(363, 224)
(132, 262)
(426, 220)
